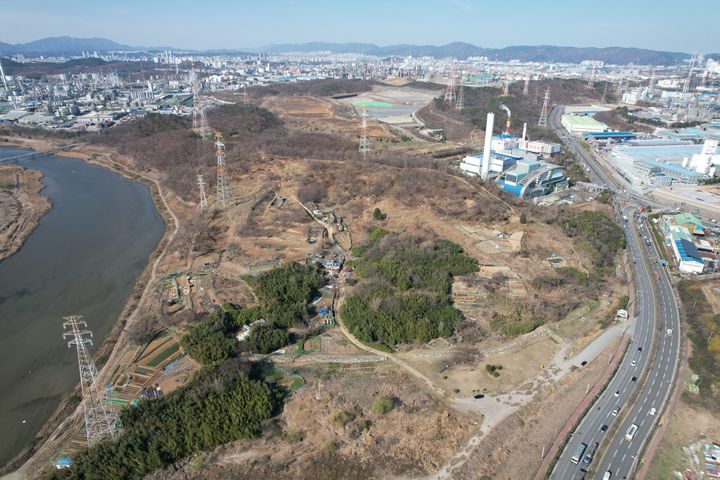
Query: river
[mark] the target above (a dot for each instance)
(82, 259)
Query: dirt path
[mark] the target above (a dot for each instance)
(497, 409)
(340, 297)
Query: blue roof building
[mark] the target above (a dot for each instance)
(530, 178)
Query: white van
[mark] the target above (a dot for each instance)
(607, 475)
(631, 432)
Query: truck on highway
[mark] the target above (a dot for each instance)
(578, 453)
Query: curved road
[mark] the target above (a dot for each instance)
(645, 376)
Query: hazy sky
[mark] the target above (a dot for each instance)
(205, 24)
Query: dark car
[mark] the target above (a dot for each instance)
(639, 349)
(604, 428)
(478, 396)
(633, 379)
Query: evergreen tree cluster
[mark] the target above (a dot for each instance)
(218, 406)
(282, 293)
(405, 292)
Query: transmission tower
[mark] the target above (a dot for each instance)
(651, 84)
(223, 188)
(506, 89)
(460, 102)
(203, 198)
(450, 90)
(99, 419)
(591, 80)
(526, 87)
(619, 87)
(364, 146)
(542, 121)
(195, 100)
(204, 127)
(704, 79)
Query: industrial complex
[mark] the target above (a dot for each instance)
(515, 163)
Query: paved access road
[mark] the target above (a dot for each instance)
(645, 376)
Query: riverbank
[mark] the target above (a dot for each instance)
(22, 205)
(35, 459)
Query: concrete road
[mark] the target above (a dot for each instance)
(645, 376)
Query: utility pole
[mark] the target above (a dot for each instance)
(364, 146)
(99, 418)
(203, 198)
(542, 121)
(223, 188)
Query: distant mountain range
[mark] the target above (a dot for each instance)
(62, 46)
(525, 53)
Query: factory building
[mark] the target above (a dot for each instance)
(604, 136)
(682, 233)
(528, 179)
(658, 173)
(523, 177)
(705, 162)
(499, 162)
(580, 124)
(662, 162)
(542, 148)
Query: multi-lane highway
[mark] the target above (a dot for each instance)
(639, 390)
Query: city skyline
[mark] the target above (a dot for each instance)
(226, 25)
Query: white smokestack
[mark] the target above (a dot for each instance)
(524, 131)
(488, 144)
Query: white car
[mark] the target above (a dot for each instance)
(632, 363)
(614, 412)
(653, 411)
(669, 331)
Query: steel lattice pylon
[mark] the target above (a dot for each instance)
(542, 121)
(460, 102)
(223, 188)
(100, 420)
(203, 198)
(364, 146)
(450, 96)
